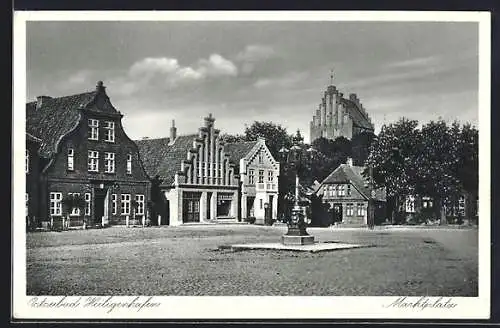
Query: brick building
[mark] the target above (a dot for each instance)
(32, 167)
(337, 116)
(193, 179)
(87, 153)
(258, 171)
(347, 193)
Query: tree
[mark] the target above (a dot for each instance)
(468, 165)
(276, 136)
(232, 138)
(437, 162)
(360, 144)
(393, 157)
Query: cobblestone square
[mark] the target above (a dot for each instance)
(189, 260)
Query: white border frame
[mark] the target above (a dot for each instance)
(247, 307)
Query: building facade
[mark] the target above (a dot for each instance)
(346, 191)
(259, 172)
(32, 168)
(196, 181)
(88, 156)
(337, 116)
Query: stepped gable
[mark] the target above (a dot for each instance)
(238, 150)
(54, 118)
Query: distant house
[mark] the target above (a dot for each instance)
(258, 171)
(194, 178)
(347, 193)
(462, 207)
(84, 152)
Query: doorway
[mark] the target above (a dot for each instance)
(99, 197)
(337, 212)
(191, 206)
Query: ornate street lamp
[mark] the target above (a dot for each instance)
(296, 233)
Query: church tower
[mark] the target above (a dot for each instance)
(337, 116)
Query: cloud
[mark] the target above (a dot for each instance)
(161, 65)
(415, 62)
(256, 52)
(215, 65)
(286, 81)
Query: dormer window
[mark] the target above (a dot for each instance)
(109, 131)
(93, 129)
(71, 159)
(261, 157)
(129, 164)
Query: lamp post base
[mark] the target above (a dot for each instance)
(297, 240)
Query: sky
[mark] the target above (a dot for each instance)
(241, 72)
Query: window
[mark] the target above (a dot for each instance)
(270, 177)
(114, 203)
(71, 159)
(426, 202)
(342, 190)
(26, 200)
(261, 176)
(140, 204)
(261, 157)
(93, 129)
(109, 131)
(410, 204)
(125, 204)
(74, 211)
(360, 209)
(348, 190)
(87, 203)
(331, 190)
(93, 163)
(129, 164)
(55, 203)
(461, 206)
(26, 161)
(349, 209)
(251, 177)
(109, 162)
(260, 203)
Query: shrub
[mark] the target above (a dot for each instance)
(250, 219)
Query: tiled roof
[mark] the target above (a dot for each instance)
(358, 118)
(152, 153)
(55, 118)
(163, 159)
(29, 137)
(238, 150)
(353, 174)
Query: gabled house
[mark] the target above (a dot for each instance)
(192, 177)
(86, 153)
(258, 171)
(347, 193)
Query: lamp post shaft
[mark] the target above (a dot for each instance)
(296, 189)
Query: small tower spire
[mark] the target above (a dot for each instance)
(331, 76)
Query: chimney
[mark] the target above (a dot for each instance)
(173, 132)
(349, 161)
(40, 100)
(100, 87)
